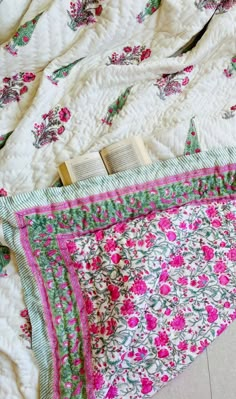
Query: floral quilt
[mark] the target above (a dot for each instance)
(127, 278)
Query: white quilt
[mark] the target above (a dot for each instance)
(76, 76)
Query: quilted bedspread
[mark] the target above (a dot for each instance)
(109, 288)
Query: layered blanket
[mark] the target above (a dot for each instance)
(127, 278)
(116, 283)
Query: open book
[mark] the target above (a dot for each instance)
(125, 154)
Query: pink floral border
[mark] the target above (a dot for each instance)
(79, 298)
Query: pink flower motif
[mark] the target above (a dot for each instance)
(99, 235)
(127, 307)
(164, 378)
(139, 287)
(193, 348)
(220, 267)
(188, 68)
(162, 353)
(233, 315)
(163, 276)
(112, 392)
(120, 228)
(211, 211)
(171, 236)
(141, 354)
(212, 314)
(165, 289)
(130, 243)
(150, 240)
(60, 130)
(183, 346)
(146, 385)
(58, 320)
(177, 261)
(64, 114)
(132, 322)
(94, 329)
(37, 253)
(71, 246)
(162, 339)
(49, 228)
(182, 280)
(3, 192)
(202, 281)
(231, 255)
(216, 223)
(98, 381)
(208, 252)
(114, 291)
(116, 258)
(178, 323)
(89, 305)
(223, 279)
(111, 326)
(227, 73)
(183, 226)
(164, 223)
(203, 345)
(96, 262)
(110, 245)
(230, 216)
(151, 321)
(145, 54)
(24, 313)
(98, 11)
(185, 81)
(127, 49)
(28, 77)
(221, 329)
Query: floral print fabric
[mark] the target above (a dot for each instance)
(157, 291)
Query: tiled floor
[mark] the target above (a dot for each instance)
(211, 376)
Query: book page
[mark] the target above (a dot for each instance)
(85, 166)
(125, 154)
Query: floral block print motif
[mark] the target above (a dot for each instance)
(4, 259)
(230, 113)
(130, 56)
(62, 72)
(3, 192)
(133, 287)
(22, 36)
(225, 6)
(15, 87)
(231, 70)
(116, 107)
(150, 8)
(155, 304)
(192, 144)
(3, 139)
(83, 12)
(207, 4)
(172, 83)
(26, 328)
(52, 127)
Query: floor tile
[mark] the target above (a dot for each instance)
(193, 383)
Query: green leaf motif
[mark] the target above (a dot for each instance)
(192, 144)
(116, 107)
(3, 139)
(4, 258)
(22, 36)
(150, 8)
(62, 72)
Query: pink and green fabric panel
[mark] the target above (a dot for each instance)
(127, 278)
